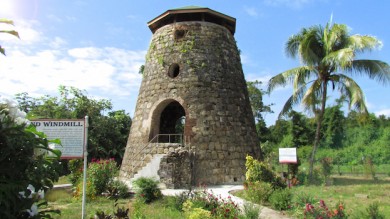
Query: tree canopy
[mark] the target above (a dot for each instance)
(328, 56)
(108, 130)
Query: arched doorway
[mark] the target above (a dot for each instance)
(168, 122)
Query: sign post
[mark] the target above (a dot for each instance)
(85, 167)
(287, 156)
(73, 134)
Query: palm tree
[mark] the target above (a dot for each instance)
(328, 57)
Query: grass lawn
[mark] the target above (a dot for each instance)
(356, 193)
(71, 207)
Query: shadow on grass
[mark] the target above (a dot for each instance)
(346, 181)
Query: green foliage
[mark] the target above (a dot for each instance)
(326, 164)
(328, 55)
(251, 211)
(316, 178)
(192, 212)
(281, 199)
(258, 171)
(76, 170)
(101, 173)
(119, 213)
(108, 130)
(312, 211)
(90, 190)
(301, 131)
(302, 198)
(147, 188)
(218, 206)
(333, 129)
(258, 192)
(372, 212)
(139, 206)
(118, 189)
(26, 170)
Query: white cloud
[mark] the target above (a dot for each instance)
(104, 71)
(385, 112)
(289, 3)
(251, 11)
(57, 43)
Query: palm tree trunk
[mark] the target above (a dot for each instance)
(317, 139)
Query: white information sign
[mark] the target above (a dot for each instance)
(71, 132)
(287, 155)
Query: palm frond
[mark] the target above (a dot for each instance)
(12, 32)
(293, 100)
(374, 69)
(351, 91)
(293, 42)
(6, 21)
(341, 58)
(312, 96)
(361, 43)
(287, 77)
(311, 46)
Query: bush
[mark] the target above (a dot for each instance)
(326, 164)
(147, 188)
(281, 199)
(259, 192)
(301, 199)
(192, 212)
(101, 173)
(118, 189)
(180, 199)
(251, 211)
(257, 171)
(372, 212)
(90, 190)
(219, 207)
(76, 170)
(26, 171)
(322, 211)
(316, 179)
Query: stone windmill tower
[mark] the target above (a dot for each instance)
(193, 121)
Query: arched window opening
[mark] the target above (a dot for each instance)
(169, 125)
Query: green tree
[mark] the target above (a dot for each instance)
(333, 127)
(12, 32)
(108, 130)
(328, 55)
(301, 130)
(258, 109)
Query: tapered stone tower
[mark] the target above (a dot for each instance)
(193, 121)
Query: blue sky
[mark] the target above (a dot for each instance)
(98, 46)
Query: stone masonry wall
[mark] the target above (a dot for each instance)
(212, 90)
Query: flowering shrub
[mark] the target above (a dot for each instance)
(101, 173)
(24, 165)
(323, 212)
(218, 206)
(100, 179)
